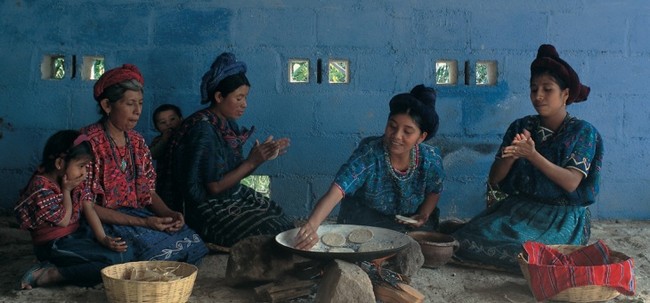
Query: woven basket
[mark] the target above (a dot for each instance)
(590, 293)
(121, 290)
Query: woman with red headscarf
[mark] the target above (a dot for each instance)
(122, 178)
(549, 168)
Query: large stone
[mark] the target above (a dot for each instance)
(407, 261)
(345, 282)
(258, 259)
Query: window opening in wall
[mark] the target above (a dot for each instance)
(260, 183)
(298, 71)
(339, 71)
(53, 67)
(486, 73)
(93, 67)
(446, 72)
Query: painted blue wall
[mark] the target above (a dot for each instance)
(391, 45)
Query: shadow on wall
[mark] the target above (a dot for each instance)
(5, 126)
(448, 146)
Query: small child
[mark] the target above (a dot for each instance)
(166, 118)
(46, 207)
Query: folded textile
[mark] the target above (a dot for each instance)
(552, 272)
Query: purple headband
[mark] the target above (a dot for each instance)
(223, 66)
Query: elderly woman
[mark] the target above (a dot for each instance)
(393, 174)
(121, 179)
(549, 167)
(207, 163)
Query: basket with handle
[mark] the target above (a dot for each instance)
(589, 293)
(120, 288)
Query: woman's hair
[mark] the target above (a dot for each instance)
(116, 92)
(230, 84)
(536, 72)
(420, 105)
(165, 107)
(69, 144)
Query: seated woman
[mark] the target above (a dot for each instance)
(393, 174)
(549, 167)
(121, 177)
(206, 163)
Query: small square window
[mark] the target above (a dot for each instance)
(339, 71)
(53, 67)
(486, 73)
(446, 72)
(93, 67)
(298, 71)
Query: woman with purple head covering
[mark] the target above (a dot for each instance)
(207, 162)
(549, 168)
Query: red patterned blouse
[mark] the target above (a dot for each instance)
(40, 208)
(118, 176)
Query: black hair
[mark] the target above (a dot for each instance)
(420, 105)
(61, 144)
(536, 72)
(116, 92)
(230, 84)
(166, 107)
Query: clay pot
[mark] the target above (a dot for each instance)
(437, 248)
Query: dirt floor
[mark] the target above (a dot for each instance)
(448, 283)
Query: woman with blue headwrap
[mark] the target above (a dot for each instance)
(206, 163)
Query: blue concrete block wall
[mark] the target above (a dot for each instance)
(391, 45)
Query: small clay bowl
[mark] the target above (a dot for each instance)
(437, 248)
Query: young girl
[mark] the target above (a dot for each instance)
(166, 118)
(65, 248)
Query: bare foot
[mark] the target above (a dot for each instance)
(40, 274)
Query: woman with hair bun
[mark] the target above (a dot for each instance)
(393, 174)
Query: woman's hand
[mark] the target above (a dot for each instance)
(522, 146)
(178, 222)
(161, 223)
(306, 237)
(70, 184)
(268, 150)
(114, 244)
(413, 221)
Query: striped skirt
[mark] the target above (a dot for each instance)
(226, 220)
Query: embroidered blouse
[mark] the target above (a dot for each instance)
(113, 187)
(40, 208)
(367, 177)
(576, 145)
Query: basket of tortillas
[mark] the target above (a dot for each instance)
(149, 281)
(348, 242)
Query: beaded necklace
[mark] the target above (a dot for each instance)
(398, 175)
(129, 150)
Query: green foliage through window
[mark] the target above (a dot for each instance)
(98, 69)
(259, 183)
(338, 72)
(481, 74)
(58, 71)
(299, 71)
(442, 73)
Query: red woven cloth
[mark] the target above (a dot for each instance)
(551, 271)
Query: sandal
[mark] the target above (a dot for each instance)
(28, 281)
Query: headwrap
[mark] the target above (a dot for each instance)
(422, 102)
(549, 59)
(115, 76)
(223, 66)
